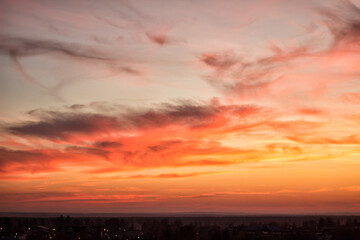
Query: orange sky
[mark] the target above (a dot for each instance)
(186, 106)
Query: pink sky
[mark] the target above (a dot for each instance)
(180, 106)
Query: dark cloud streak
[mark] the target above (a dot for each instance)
(18, 48)
(58, 125)
(343, 22)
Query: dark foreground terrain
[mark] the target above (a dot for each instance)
(182, 228)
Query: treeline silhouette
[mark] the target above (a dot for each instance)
(182, 228)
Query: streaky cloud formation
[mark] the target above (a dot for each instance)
(343, 22)
(19, 48)
(62, 126)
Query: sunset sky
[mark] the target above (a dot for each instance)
(246, 106)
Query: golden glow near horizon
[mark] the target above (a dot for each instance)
(157, 106)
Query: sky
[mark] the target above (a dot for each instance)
(180, 106)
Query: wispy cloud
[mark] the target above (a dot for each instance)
(319, 190)
(173, 175)
(354, 188)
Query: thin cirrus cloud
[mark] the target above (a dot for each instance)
(172, 175)
(278, 72)
(343, 22)
(352, 188)
(22, 48)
